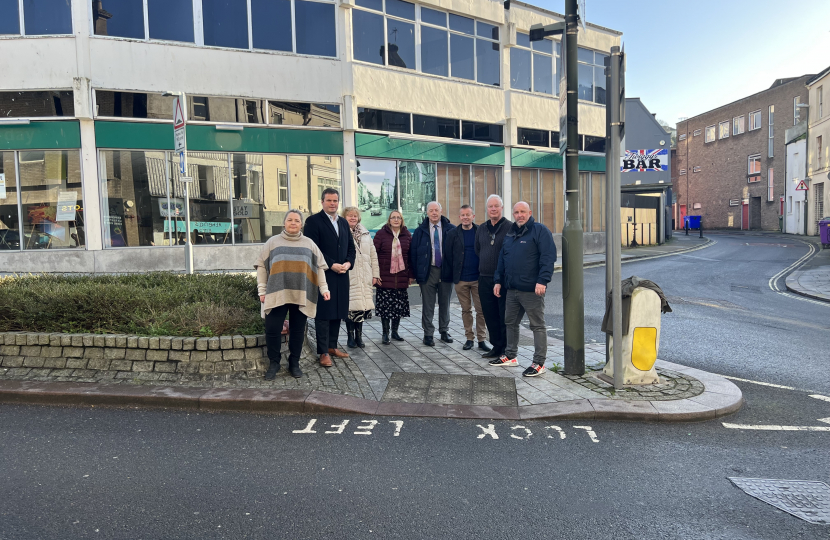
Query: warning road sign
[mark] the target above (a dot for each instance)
(802, 186)
(179, 135)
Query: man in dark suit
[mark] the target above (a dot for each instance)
(332, 235)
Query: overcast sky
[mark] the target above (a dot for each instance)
(688, 57)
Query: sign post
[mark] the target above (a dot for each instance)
(180, 148)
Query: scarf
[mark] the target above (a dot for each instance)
(397, 254)
(357, 232)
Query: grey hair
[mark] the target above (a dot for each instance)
(293, 211)
(494, 196)
(440, 208)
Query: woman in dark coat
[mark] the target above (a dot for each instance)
(392, 299)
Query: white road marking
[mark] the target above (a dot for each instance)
(589, 431)
(489, 430)
(398, 427)
(307, 428)
(340, 427)
(623, 261)
(527, 431)
(819, 396)
(775, 428)
(773, 281)
(825, 420)
(701, 258)
(759, 382)
(366, 430)
(558, 429)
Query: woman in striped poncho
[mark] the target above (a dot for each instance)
(290, 272)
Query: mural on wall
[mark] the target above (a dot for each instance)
(645, 160)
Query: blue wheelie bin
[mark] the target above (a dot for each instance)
(692, 222)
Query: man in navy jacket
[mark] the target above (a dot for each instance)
(427, 254)
(524, 271)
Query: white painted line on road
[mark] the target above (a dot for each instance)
(338, 428)
(366, 430)
(775, 428)
(489, 430)
(623, 261)
(558, 429)
(819, 396)
(701, 258)
(825, 420)
(589, 431)
(773, 281)
(759, 382)
(528, 433)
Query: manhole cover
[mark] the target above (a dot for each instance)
(809, 501)
(451, 389)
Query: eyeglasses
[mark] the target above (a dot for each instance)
(395, 217)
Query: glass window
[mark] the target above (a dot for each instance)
(310, 175)
(453, 189)
(210, 206)
(315, 28)
(594, 144)
(51, 199)
(599, 84)
(549, 211)
(9, 218)
(710, 134)
(533, 137)
(544, 45)
(462, 60)
(122, 18)
(585, 55)
(271, 25)
(222, 109)
(754, 165)
(523, 40)
(417, 183)
(275, 194)
(397, 8)
(489, 60)
(754, 120)
(430, 16)
(35, 104)
(586, 82)
(377, 192)
(723, 130)
(434, 126)
(520, 69)
(171, 20)
(248, 197)
(133, 105)
(225, 23)
(368, 37)
(488, 31)
(383, 120)
(542, 74)
(597, 202)
(461, 24)
(135, 198)
(554, 139)
(10, 21)
(738, 125)
(377, 5)
(525, 186)
(44, 17)
(303, 114)
(486, 181)
(434, 51)
(476, 131)
(401, 41)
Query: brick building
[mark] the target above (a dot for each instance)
(730, 160)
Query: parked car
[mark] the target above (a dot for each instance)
(376, 211)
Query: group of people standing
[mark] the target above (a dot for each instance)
(328, 268)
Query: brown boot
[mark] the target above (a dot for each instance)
(325, 360)
(337, 353)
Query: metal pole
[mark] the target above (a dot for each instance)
(188, 245)
(610, 163)
(572, 271)
(616, 102)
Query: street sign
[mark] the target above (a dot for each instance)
(179, 135)
(563, 103)
(186, 179)
(182, 163)
(802, 186)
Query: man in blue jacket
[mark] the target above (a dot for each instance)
(524, 271)
(426, 255)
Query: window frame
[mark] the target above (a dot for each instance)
(738, 125)
(682, 137)
(21, 21)
(555, 61)
(199, 37)
(696, 133)
(752, 177)
(593, 65)
(770, 185)
(771, 125)
(706, 139)
(752, 116)
(723, 129)
(412, 133)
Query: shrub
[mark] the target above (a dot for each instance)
(158, 303)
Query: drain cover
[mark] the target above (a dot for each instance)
(451, 389)
(809, 501)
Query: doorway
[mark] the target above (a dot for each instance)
(755, 213)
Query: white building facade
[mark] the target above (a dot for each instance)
(818, 154)
(395, 103)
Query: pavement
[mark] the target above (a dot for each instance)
(408, 379)
(812, 278)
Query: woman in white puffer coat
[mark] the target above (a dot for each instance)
(362, 277)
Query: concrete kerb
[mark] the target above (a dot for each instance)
(721, 397)
(629, 257)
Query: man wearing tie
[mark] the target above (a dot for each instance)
(426, 254)
(332, 235)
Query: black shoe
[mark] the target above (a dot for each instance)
(271, 374)
(446, 338)
(483, 346)
(350, 330)
(395, 325)
(468, 345)
(428, 341)
(385, 337)
(492, 354)
(358, 335)
(295, 371)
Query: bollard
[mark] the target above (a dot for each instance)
(701, 230)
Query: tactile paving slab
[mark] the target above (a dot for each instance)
(451, 389)
(804, 499)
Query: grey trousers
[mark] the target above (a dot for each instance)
(443, 289)
(517, 304)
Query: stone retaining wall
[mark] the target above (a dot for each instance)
(224, 354)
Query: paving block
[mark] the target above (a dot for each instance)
(12, 361)
(222, 367)
(244, 365)
(143, 342)
(54, 363)
(188, 368)
(233, 354)
(165, 367)
(33, 361)
(176, 343)
(121, 341)
(76, 363)
(51, 352)
(188, 344)
(113, 353)
(253, 354)
(99, 341)
(142, 366)
(135, 354)
(202, 344)
(206, 367)
(109, 341)
(260, 341)
(213, 343)
(225, 342)
(179, 356)
(198, 356)
(238, 342)
(21, 338)
(121, 365)
(214, 356)
(31, 338)
(77, 340)
(43, 338)
(88, 339)
(92, 352)
(153, 343)
(30, 350)
(100, 364)
(9, 350)
(164, 343)
(73, 352)
(250, 341)
(132, 342)
(55, 340)
(66, 340)
(157, 356)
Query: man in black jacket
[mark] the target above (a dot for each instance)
(524, 271)
(465, 275)
(432, 272)
(332, 235)
(489, 238)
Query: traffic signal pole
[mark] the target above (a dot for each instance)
(615, 113)
(573, 295)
